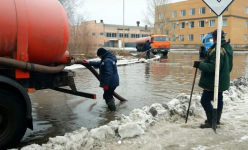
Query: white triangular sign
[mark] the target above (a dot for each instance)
(218, 6)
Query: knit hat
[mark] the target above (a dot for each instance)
(215, 33)
(101, 51)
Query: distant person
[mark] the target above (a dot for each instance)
(147, 48)
(207, 80)
(109, 78)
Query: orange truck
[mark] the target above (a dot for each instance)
(34, 37)
(161, 44)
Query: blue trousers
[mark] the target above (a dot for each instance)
(207, 97)
(148, 54)
(108, 95)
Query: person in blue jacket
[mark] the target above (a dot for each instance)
(147, 48)
(109, 78)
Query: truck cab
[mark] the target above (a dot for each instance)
(161, 44)
(207, 42)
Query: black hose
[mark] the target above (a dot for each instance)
(97, 76)
(27, 66)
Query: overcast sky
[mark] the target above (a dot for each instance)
(111, 11)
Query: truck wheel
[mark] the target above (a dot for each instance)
(165, 53)
(13, 123)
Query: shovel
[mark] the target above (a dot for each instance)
(143, 54)
(191, 95)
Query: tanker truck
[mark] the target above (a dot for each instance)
(160, 44)
(34, 36)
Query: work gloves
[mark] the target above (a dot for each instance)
(197, 64)
(105, 88)
(85, 62)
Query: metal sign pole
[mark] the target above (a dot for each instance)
(218, 7)
(217, 68)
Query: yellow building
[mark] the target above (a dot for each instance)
(188, 21)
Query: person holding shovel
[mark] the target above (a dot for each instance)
(147, 48)
(109, 78)
(207, 78)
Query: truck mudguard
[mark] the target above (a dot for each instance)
(13, 84)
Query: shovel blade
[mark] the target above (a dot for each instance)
(214, 120)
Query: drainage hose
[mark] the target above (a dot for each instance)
(27, 66)
(97, 76)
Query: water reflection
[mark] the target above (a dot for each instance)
(147, 70)
(142, 84)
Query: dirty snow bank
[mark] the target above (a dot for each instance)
(121, 62)
(161, 127)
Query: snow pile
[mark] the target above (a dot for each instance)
(119, 62)
(139, 122)
(179, 105)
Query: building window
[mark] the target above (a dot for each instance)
(201, 36)
(101, 33)
(191, 24)
(166, 32)
(144, 35)
(226, 9)
(246, 22)
(192, 12)
(108, 34)
(246, 10)
(245, 37)
(174, 14)
(159, 16)
(202, 10)
(135, 35)
(121, 35)
(191, 37)
(183, 12)
(173, 25)
(201, 24)
(167, 20)
(159, 26)
(126, 35)
(182, 25)
(224, 22)
(211, 11)
(211, 23)
(113, 34)
(173, 38)
(181, 37)
(93, 34)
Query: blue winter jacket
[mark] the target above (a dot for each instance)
(147, 46)
(108, 70)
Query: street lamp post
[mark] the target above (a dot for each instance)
(123, 43)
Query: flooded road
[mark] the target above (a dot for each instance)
(142, 84)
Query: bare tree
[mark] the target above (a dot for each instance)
(74, 10)
(80, 39)
(158, 16)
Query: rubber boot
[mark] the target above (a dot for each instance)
(208, 122)
(111, 105)
(218, 117)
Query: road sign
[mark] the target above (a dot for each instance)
(218, 6)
